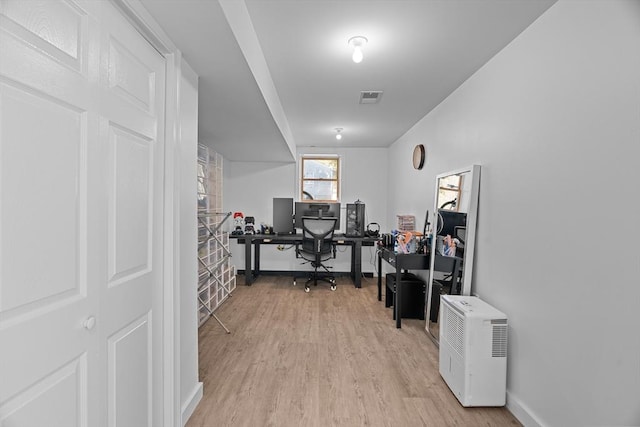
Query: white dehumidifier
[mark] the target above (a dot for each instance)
(473, 350)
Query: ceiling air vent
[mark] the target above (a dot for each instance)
(370, 96)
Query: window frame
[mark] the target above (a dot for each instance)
(337, 179)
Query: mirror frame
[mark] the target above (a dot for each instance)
(469, 246)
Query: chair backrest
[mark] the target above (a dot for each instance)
(317, 234)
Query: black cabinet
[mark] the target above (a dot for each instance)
(413, 295)
(436, 291)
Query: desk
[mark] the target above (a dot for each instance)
(401, 262)
(256, 240)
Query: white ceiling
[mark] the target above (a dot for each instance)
(278, 74)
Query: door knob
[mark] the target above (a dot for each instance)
(89, 323)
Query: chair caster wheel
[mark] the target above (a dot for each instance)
(333, 287)
(307, 289)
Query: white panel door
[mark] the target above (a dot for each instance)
(131, 131)
(131, 296)
(81, 165)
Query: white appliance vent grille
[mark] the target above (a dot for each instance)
(454, 332)
(499, 340)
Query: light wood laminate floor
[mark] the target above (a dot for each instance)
(323, 359)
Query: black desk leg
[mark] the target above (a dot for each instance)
(398, 302)
(248, 273)
(256, 260)
(380, 275)
(352, 273)
(356, 267)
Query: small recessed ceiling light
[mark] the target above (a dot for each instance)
(338, 134)
(357, 43)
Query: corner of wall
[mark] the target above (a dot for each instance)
(189, 405)
(521, 412)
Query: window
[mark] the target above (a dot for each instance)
(320, 178)
(449, 192)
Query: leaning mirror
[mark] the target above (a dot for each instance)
(454, 235)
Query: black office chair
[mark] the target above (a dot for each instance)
(317, 247)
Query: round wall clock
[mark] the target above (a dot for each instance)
(418, 156)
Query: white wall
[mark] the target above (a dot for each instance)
(249, 187)
(554, 120)
(186, 179)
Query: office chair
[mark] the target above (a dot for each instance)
(460, 234)
(317, 247)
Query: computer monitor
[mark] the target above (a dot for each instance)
(283, 215)
(449, 220)
(317, 209)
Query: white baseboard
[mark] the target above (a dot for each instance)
(522, 412)
(189, 405)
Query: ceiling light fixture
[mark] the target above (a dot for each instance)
(357, 43)
(338, 134)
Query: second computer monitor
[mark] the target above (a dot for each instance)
(449, 220)
(317, 209)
